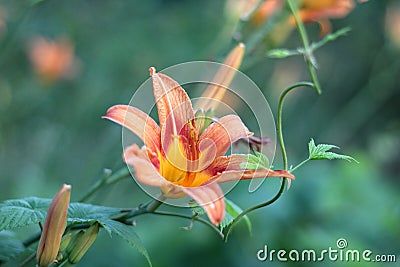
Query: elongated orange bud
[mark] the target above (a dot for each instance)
(54, 227)
(222, 79)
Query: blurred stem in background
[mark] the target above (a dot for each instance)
(108, 179)
(310, 60)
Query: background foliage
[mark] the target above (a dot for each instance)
(51, 133)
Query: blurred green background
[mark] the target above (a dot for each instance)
(52, 132)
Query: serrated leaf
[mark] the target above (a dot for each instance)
(27, 211)
(196, 208)
(17, 213)
(10, 246)
(127, 233)
(321, 152)
(79, 213)
(254, 162)
(232, 211)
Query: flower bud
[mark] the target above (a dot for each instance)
(54, 227)
(65, 241)
(213, 94)
(81, 243)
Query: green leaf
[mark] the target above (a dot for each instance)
(232, 211)
(10, 246)
(321, 152)
(17, 213)
(196, 208)
(127, 233)
(254, 162)
(27, 211)
(79, 213)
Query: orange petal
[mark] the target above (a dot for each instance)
(225, 163)
(325, 27)
(338, 9)
(266, 11)
(222, 79)
(174, 107)
(224, 132)
(138, 122)
(234, 175)
(211, 198)
(145, 171)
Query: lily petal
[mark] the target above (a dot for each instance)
(225, 163)
(317, 10)
(138, 122)
(211, 198)
(224, 132)
(145, 171)
(174, 111)
(236, 175)
(229, 168)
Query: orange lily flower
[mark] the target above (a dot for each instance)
(179, 160)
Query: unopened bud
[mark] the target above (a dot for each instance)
(81, 243)
(54, 227)
(65, 241)
(213, 94)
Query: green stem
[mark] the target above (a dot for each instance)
(284, 157)
(308, 52)
(299, 165)
(150, 208)
(245, 212)
(244, 19)
(106, 180)
(195, 218)
(28, 259)
(280, 109)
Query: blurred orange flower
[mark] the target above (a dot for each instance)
(309, 11)
(266, 10)
(53, 59)
(392, 23)
(322, 10)
(3, 17)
